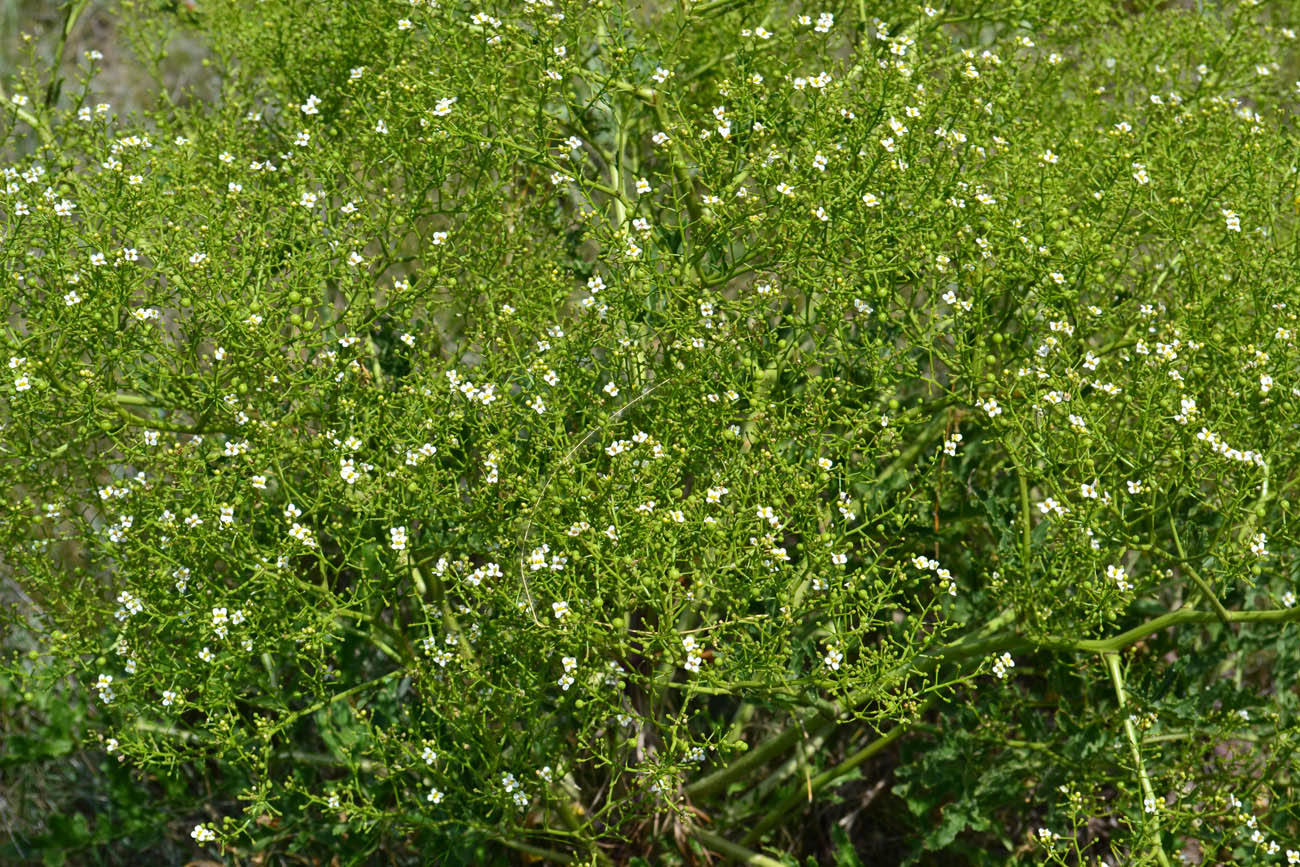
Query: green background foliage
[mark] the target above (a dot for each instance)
(620, 433)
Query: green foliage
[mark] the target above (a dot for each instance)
(595, 432)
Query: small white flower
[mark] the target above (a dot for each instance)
(1120, 577)
(347, 471)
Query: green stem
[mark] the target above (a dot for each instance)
(55, 85)
(778, 813)
(974, 645)
(1130, 731)
(732, 850)
(540, 852)
(323, 703)
(1027, 529)
(817, 721)
(1195, 576)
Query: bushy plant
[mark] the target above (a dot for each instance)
(611, 431)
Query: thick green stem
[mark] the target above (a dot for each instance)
(536, 851)
(778, 813)
(1149, 803)
(1026, 527)
(732, 850)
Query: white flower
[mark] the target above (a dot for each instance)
(397, 538)
(347, 471)
(561, 610)
(833, 659)
(302, 534)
